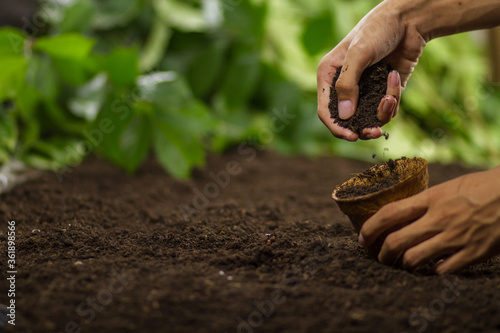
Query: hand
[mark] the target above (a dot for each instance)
(382, 33)
(460, 217)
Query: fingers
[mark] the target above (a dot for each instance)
(393, 216)
(405, 56)
(326, 72)
(404, 239)
(371, 133)
(454, 263)
(347, 88)
(430, 249)
(337, 130)
(467, 255)
(389, 105)
(387, 109)
(356, 61)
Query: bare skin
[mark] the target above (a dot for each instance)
(359, 50)
(460, 217)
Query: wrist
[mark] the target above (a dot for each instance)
(436, 18)
(431, 19)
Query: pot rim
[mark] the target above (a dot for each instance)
(374, 194)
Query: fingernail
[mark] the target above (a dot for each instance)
(394, 80)
(387, 105)
(361, 240)
(345, 109)
(437, 266)
(369, 136)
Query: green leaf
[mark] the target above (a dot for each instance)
(180, 15)
(241, 80)
(121, 65)
(77, 17)
(317, 34)
(63, 151)
(66, 46)
(73, 71)
(172, 97)
(41, 162)
(12, 71)
(89, 98)
(59, 120)
(156, 44)
(5, 156)
(136, 141)
(180, 122)
(29, 135)
(164, 88)
(176, 150)
(202, 78)
(8, 130)
(247, 21)
(110, 124)
(115, 13)
(11, 42)
(27, 104)
(41, 75)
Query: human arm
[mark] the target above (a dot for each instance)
(396, 30)
(460, 217)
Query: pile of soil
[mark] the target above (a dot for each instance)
(372, 88)
(378, 178)
(264, 250)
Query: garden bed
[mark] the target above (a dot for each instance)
(262, 250)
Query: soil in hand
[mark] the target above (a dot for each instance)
(372, 88)
(376, 179)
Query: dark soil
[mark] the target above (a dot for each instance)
(267, 251)
(381, 181)
(372, 88)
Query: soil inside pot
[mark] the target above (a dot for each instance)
(377, 178)
(372, 88)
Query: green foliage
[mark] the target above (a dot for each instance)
(124, 78)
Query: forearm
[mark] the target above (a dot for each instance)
(435, 18)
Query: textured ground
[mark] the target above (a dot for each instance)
(265, 250)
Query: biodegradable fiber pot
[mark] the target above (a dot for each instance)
(403, 177)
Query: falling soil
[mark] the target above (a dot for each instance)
(378, 179)
(265, 250)
(372, 88)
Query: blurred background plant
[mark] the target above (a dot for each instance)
(122, 78)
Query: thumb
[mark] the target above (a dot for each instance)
(347, 85)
